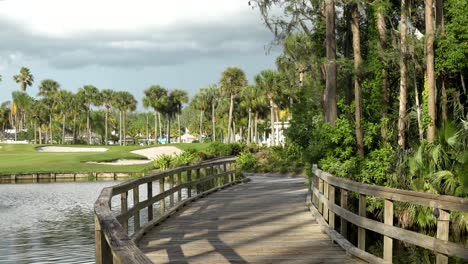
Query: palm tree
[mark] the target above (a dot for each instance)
(248, 96)
(77, 105)
(179, 97)
(154, 98)
(91, 95)
(107, 97)
(200, 102)
(267, 81)
(232, 81)
(64, 98)
(48, 89)
(20, 101)
(212, 92)
(124, 101)
(24, 79)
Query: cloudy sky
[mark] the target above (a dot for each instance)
(130, 45)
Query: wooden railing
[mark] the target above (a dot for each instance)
(114, 244)
(322, 203)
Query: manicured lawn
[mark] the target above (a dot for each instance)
(25, 159)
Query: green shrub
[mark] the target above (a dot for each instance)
(218, 149)
(164, 161)
(246, 161)
(185, 158)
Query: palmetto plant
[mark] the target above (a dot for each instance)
(440, 168)
(107, 97)
(91, 95)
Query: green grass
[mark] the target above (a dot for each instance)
(25, 159)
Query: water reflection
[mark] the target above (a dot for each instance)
(48, 222)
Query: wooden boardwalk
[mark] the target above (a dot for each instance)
(263, 221)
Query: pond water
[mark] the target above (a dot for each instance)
(48, 222)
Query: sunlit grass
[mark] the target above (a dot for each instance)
(25, 159)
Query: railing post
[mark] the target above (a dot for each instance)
(442, 233)
(103, 252)
(362, 231)
(179, 182)
(388, 220)
(320, 188)
(325, 205)
(149, 196)
(136, 213)
(162, 202)
(331, 198)
(344, 205)
(197, 177)
(189, 186)
(226, 176)
(171, 185)
(123, 210)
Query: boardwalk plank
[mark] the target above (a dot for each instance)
(263, 221)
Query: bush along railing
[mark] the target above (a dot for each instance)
(166, 192)
(328, 209)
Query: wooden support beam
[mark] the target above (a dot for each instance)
(171, 185)
(325, 205)
(179, 182)
(162, 202)
(136, 215)
(362, 231)
(103, 251)
(388, 241)
(189, 179)
(442, 233)
(344, 205)
(331, 198)
(320, 187)
(149, 190)
(123, 210)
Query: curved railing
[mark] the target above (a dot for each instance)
(322, 202)
(114, 242)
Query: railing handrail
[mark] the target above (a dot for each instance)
(440, 201)
(113, 243)
(323, 206)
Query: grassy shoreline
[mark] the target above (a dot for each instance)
(25, 159)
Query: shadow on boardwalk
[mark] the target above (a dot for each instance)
(263, 221)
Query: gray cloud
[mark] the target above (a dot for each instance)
(153, 47)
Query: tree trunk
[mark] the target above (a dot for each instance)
(357, 80)
(418, 109)
(256, 128)
(403, 77)
(429, 19)
(272, 121)
(168, 134)
(462, 78)
(124, 127)
(439, 16)
(382, 28)
(330, 43)
(160, 125)
(155, 127)
(348, 49)
(231, 108)
(147, 129)
(178, 127)
(88, 130)
(107, 124)
(443, 100)
(233, 131)
(249, 126)
(35, 131)
(74, 129)
(63, 128)
(213, 121)
(51, 133)
(40, 134)
(120, 128)
(201, 125)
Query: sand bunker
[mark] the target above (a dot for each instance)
(149, 153)
(69, 149)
